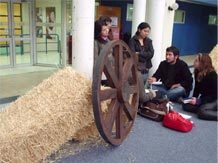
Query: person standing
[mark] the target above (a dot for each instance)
(101, 37)
(141, 44)
(204, 100)
(175, 76)
(107, 20)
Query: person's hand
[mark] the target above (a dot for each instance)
(175, 86)
(151, 80)
(193, 101)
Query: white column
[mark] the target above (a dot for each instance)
(168, 26)
(83, 36)
(139, 10)
(161, 22)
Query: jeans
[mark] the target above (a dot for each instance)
(172, 94)
(145, 77)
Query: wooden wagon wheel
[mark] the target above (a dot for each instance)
(115, 105)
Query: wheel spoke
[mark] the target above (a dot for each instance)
(108, 94)
(129, 111)
(119, 123)
(127, 68)
(120, 62)
(110, 74)
(112, 114)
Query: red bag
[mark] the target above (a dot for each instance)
(175, 121)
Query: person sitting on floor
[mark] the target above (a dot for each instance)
(174, 74)
(204, 105)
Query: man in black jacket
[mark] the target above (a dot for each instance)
(174, 74)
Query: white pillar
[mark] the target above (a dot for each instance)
(168, 26)
(139, 10)
(161, 22)
(83, 36)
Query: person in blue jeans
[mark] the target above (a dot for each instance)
(175, 76)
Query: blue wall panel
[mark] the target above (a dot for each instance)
(195, 35)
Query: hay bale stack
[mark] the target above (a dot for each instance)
(214, 56)
(38, 123)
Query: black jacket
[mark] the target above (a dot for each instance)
(146, 54)
(174, 74)
(207, 88)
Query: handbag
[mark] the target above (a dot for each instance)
(174, 120)
(154, 109)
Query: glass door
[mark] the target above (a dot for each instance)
(48, 32)
(15, 33)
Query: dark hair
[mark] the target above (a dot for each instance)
(142, 26)
(173, 49)
(105, 19)
(98, 28)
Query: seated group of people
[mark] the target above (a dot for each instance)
(174, 74)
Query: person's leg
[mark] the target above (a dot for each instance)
(161, 90)
(145, 78)
(144, 97)
(174, 94)
(190, 108)
(208, 111)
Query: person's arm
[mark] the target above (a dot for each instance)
(132, 46)
(196, 89)
(149, 53)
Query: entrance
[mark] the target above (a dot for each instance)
(15, 33)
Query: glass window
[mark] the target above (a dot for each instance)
(212, 20)
(129, 12)
(179, 16)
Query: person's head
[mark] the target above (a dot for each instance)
(172, 54)
(101, 30)
(143, 30)
(107, 20)
(202, 65)
(52, 16)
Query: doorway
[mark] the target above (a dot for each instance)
(15, 33)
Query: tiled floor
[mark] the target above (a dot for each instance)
(17, 81)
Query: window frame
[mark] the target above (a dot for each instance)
(184, 15)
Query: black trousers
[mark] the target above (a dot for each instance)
(206, 111)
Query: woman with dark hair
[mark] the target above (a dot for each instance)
(204, 100)
(107, 20)
(101, 37)
(141, 44)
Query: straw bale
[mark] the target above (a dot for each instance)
(214, 56)
(38, 123)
